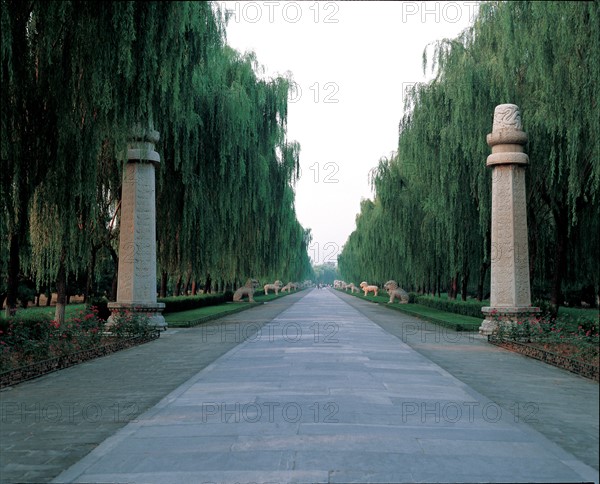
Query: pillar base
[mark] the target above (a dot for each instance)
(496, 317)
(152, 310)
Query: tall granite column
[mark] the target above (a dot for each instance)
(136, 289)
(510, 297)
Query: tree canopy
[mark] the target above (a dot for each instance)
(225, 199)
(428, 226)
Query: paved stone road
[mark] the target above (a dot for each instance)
(561, 405)
(323, 394)
(48, 424)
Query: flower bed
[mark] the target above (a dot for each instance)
(30, 347)
(23, 373)
(565, 343)
(543, 352)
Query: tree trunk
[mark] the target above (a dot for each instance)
(193, 290)
(178, 285)
(12, 281)
(560, 259)
(207, 284)
(481, 281)
(115, 280)
(187, 283)
(49, 296)
(533, 250)
(164, 279)
(61, 290)
(89, 283)
(453, 287)
(464, 285)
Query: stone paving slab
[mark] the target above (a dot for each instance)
(326, 395)
(562, 406)
(49, 423)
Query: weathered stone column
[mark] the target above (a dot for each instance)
(510, 297)
(136, 289)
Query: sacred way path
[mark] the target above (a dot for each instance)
(318, 386)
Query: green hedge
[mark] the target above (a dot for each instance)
(185, 303)
(466, 308)
(174, 304)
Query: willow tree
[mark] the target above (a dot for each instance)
(362, 253)
(225, 183)
(545, 58)
(54, 123)
(233, 174)
(557, 89)
(83, 97)
(443, 142)
(20, 159)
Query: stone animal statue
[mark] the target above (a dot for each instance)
(246, 290)
(365, 287)
(396, 292)
(352, 287)
(289, 286)
(273, 287)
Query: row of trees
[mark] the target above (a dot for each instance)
(76, 77)
(429, 223)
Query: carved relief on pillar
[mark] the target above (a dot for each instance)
(507, 116)
(507, 137)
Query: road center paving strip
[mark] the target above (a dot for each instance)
(323, 394)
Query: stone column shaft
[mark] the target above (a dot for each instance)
(136, 287)
(510, 295)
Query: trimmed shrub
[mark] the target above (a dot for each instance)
(185, 303)
(466, 308)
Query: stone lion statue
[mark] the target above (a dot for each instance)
(289, 286)
(365, 287)
(246, 290)
(273, 287)
(396, 292)
(352, 287)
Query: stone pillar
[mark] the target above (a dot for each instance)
(136, 289)
(510, 297)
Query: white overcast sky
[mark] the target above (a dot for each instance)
(351, 62)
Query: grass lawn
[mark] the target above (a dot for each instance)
(185, 319)
(465, 323)
(197, 316)
(70, 310)
(591, 314)
(457, 322)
